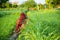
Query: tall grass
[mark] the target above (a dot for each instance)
(42, 25)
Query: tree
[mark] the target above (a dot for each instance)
(48, 2)
(7, 4)
(52, 3)
(41, 6)
(29, 3)
(2, 3)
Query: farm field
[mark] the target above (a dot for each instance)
(41, 24)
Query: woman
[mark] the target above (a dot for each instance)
(19, 23)
(21, 20)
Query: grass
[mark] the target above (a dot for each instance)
(42, 25)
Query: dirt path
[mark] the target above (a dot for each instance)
(14, 36)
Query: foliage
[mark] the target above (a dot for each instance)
(7, 4)
(41, 6)
(29, 4)
(2, 3)
(52, 3)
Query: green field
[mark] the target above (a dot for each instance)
(42, 24)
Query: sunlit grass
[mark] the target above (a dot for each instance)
(42, 25)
